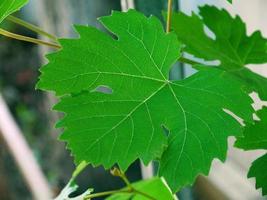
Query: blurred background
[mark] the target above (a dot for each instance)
(34, 120)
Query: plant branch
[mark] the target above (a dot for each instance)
(169, 15)
(31, 27)
(28, 39)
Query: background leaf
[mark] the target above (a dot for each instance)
(8, 7)
(122, 120)
(255, 137)
(225, 41)
(258, 171)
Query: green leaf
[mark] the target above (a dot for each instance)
(230, 1)
(8, 7)
(229, 44)
(258, 170)
(123, 119)
(154, 187)
(255, 137)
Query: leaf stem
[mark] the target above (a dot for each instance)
(188, 61)
(31, 27)
(28, 39)
(116, 172)
(107, 193)
(169, 16)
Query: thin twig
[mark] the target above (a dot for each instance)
(31, 27)
(107, 193)
(169, 15)
(28, 39)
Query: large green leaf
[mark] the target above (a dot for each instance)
(8, 7)
(229, 44)
(154, 187)
(126, 121)
(255, 137)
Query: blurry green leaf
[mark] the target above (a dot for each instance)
(258, 171)
(255, 137)
(8, 7)
(229, 44)
(118, 98)
(154, 187)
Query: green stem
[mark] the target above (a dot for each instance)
(79, 169)
(107, 193)
(188, 61)
(169, 15)
(28, 39)
(117, 172)
(31, 27)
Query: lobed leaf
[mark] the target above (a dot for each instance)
(117, 98)
(226, 41)
(8, 7)
(255, 137)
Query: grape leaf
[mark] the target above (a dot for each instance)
(154, 187)
(255, 137)
(126, 121)
(230, 45)
(8, 7)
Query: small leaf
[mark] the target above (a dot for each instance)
(154, 187)
(127, 123)
(72, 187)
(8, 7)
(69, 189)
(255, 137)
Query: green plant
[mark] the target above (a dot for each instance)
(120, 105)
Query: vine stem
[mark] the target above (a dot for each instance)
(28, 39)
(31, 27)
(169, 16)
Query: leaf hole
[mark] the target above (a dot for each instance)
(103, 89)
(236, 117)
